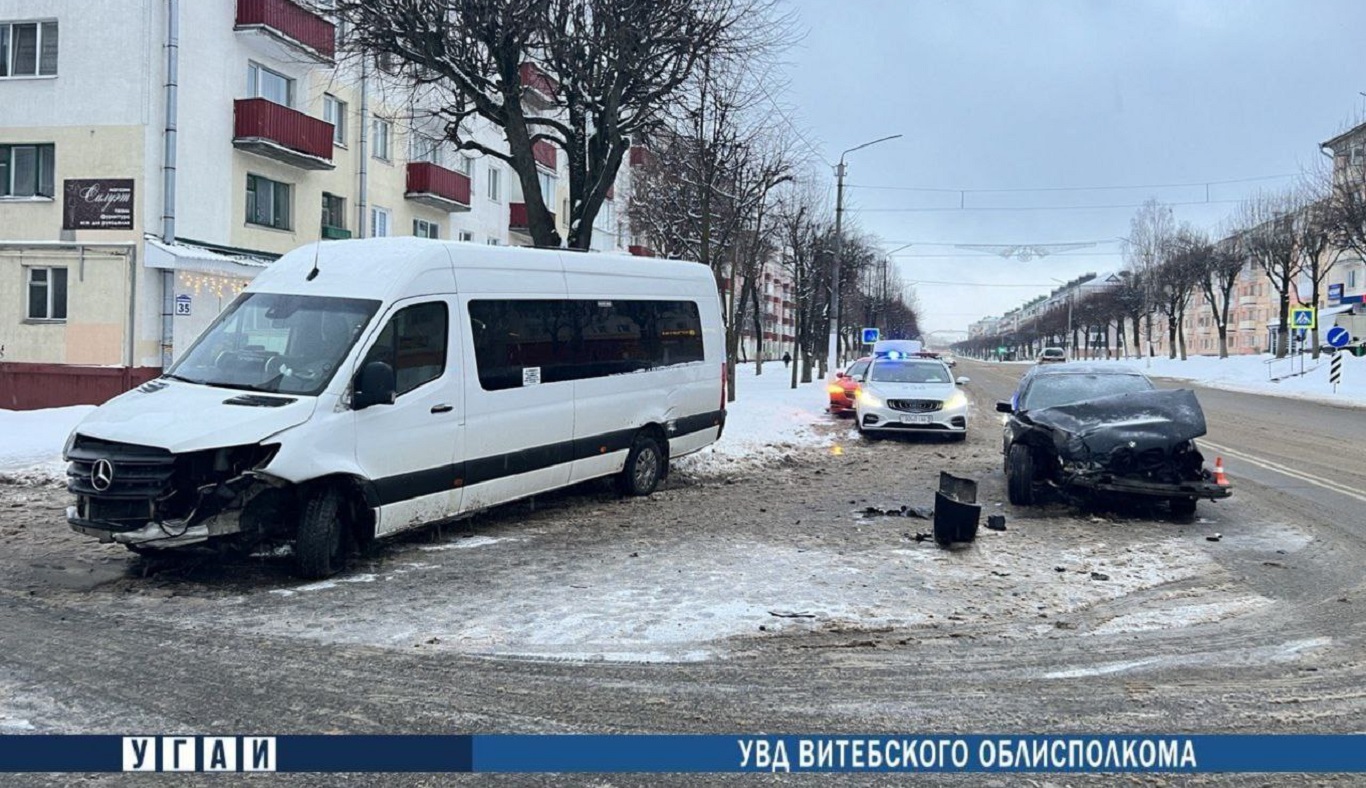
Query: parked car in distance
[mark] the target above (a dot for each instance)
(910, 395)
(844, 387)
(1105, 430)
(1052, 355)
(948, 359)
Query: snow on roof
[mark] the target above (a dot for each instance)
(187, 256)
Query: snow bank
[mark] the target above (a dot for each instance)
(767, 421)
(1255, 374)
(31, 442)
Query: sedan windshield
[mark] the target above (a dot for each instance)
(290, 344)
(1048, 391)
(909, 372)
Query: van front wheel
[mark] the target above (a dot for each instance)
(644, 467)
(320, 545)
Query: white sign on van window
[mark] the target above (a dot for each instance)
(531, 376)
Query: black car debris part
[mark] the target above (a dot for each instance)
(956, 511)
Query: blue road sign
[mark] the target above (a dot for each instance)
(1338, 336)
(870, 335)
(1302, 317)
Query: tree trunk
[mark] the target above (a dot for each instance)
(1314, 304)
(1172, 325)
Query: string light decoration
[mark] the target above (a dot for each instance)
(1024, 252)
(224, 288)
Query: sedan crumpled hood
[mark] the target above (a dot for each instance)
(183, 417)
(1159, 419)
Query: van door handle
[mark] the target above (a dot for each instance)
(442, 408)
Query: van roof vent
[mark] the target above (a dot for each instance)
(152, 386)
(257, 401)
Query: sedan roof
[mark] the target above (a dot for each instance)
(1086, 368)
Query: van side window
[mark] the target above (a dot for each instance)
(576, 339)
(413, 342)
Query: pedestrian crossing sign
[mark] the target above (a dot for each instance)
(1302, 317)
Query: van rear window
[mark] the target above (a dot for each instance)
(575, 339)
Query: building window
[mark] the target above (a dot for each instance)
(1352, 279)
(334, 112)
(547, 182)
(383, 139)
(495, 183)
(269, 85)
(334, 212)
(46, 294)
(379, 222)
(425, 229)
(26, 170)
(28, 49)
(495, 242)
(268, 203)
(466, 235)
(464, 164)
(425, 148)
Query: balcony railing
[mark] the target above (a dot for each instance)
(518, 221)
(1247, 325)
(273, 130)
(539, 87)
(640, 156)
(290, 24)
(641, 251)
(544, 154)
(1247, 300)
(438, 187)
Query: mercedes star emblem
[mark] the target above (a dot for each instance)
(102, 475)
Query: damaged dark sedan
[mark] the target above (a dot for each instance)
(1105, 430)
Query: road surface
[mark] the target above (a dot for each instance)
(761, 603)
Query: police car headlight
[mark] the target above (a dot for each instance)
(869, 399)
(957, 400)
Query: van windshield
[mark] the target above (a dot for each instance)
(291, 344)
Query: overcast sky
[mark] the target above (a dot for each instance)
(1042, 93)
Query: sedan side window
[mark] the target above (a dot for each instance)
(413, 342)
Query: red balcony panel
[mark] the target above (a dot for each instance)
(544, 153)
(541, 87)
(611, 192)
(438, 187)
(274, 130)
(643, 251)
(641, 156)
(518, 220)
(291, 22)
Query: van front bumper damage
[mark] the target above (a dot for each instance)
(147, 497)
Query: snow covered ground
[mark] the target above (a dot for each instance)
(1262, 374)
(31, 442)
(768, 420)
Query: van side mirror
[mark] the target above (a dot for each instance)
(1004, 407)
(375, 385)
(962, 380)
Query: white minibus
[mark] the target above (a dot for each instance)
(360, 388)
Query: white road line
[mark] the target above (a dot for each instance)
(1275, 467)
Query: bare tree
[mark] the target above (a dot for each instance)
(600, 71)
(1316, 232)
(1268, 238)
(1151, 233)
(1223, 262)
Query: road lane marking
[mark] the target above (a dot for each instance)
(1275, 467)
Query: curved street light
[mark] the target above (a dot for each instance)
(833, 356)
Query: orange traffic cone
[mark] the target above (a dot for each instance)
(1219, 477)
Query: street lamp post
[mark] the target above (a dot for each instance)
(833, 355)
(1071, 351)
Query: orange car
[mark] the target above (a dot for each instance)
(845, 386)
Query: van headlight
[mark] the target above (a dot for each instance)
(956, 400)
(70, 442)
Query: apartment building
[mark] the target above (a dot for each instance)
(156, 154)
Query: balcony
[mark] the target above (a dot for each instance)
(640, 251)
(538, 87)
(277, 132)
(518, 223)
(330, 233)
(641, 156)
(1247, 300)
(285, 30)
(1247, 325)
(438, 187)
(544, 154)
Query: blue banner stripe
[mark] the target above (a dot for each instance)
(930, 753)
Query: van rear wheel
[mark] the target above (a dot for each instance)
(320, 545)
(644, 467)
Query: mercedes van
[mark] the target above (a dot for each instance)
(360, 388)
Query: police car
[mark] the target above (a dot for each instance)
(908, 392)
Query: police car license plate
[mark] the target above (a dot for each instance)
(918, 418)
